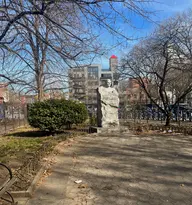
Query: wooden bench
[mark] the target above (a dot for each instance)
(7, 180)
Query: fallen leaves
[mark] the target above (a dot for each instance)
(83, 186)
(47, 172)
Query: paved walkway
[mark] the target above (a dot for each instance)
(121, 170)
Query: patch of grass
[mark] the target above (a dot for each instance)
(15, 146)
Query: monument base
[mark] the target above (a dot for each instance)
(110, 130)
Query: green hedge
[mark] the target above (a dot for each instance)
(53, 115)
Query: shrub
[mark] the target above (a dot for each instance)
(52, 115)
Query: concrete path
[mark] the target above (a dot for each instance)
(52, 188)
(121, 170)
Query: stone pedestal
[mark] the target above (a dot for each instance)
(112, 130)
(107, 111)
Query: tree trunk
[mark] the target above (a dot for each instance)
(168, 119)
(40, 93)
(39, 86)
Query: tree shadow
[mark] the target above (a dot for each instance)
(38, 133)
(31, 134)
(138, 169)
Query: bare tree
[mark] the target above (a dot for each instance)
(42, 35)
(102, 13)
(37, 51)
(165, 60)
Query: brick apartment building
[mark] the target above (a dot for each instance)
(4, 92)
(135, 92)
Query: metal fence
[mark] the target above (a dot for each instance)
(150, 112)
(12, 116)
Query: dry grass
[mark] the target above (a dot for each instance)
(15, 146)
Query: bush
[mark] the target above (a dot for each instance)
(53, 115)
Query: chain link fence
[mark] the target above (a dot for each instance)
(12, 115)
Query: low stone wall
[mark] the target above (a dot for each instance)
(144, 127)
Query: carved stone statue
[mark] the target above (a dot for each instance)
(109, 83)
(108, 103)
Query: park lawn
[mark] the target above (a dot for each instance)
(15, 146)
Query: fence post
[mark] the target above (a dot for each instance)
(4, 114)
(25, 114)
(19, 115)
(12, 116)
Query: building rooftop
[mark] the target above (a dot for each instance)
(105, 70)
(113, 56)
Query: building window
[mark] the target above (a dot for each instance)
(93, 72)
(107, 75)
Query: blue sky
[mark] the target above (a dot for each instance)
(163, 10)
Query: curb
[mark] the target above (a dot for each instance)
(29, 191)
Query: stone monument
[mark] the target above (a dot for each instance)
(108, 103)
